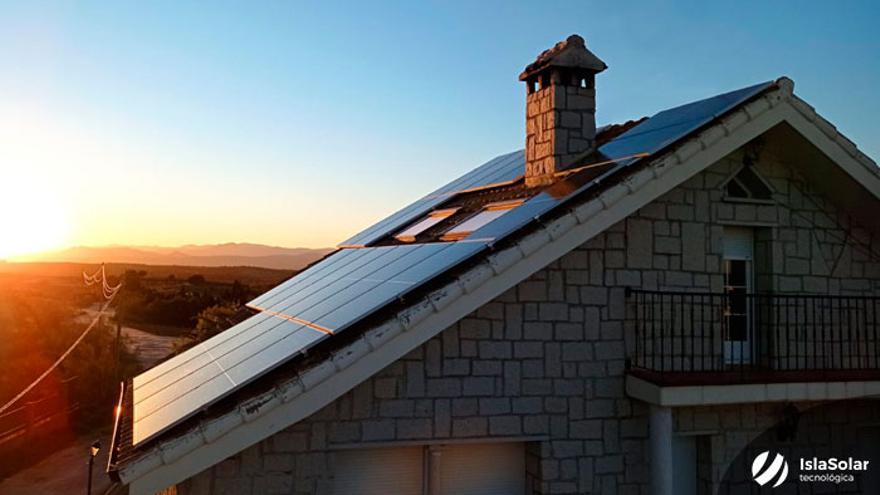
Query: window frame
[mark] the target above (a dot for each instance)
(456, 232)
(750, 195)
(431, 219)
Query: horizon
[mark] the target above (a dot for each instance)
(74, 254)
(168, 125)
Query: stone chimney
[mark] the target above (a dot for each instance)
(560, 108)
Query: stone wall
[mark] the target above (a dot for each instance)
(560, 124)
(545, 361)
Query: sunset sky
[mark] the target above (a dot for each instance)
(168, 123)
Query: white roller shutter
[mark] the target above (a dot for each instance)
(396, 470)
(482, 469)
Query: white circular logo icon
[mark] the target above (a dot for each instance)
(764, 472)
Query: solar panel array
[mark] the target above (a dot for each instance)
(349, 285)
(324, 300)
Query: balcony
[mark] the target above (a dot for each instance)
(685, 339)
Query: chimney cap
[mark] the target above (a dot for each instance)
(571, 53)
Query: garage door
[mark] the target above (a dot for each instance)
(379, 471)
(482, 469)
(461, 469)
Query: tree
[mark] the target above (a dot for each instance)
(212, 321)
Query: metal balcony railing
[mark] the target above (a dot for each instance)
(724, 332)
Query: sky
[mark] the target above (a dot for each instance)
(298, 124)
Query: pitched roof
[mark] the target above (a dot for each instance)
(580, 201)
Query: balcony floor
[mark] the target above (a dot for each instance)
(752, 375)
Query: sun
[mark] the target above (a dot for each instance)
(32, 219)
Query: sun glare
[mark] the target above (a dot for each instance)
(31, 219)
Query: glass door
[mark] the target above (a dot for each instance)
(738, 324)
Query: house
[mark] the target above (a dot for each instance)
(636, 308)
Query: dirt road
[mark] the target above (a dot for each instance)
(149, 349)
(64, 472)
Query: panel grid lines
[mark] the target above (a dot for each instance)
(353, 285)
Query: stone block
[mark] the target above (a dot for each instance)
(415, 381)
(442, 417)
(470, 427)
(609, 350)
(471, 328)
(414, 428)
(588, 429)
(495, 350)
(385, 388)
(345, 432)
(553, 359)
(639, 247)
(505, 425)
(532, 368)
(553, 311)
(381, 429)
(478, 386)
(403, 408)
(568, 331)
(577, 351)
(486, 368)
(532, 291)
(456, 367)
(443, 387)
(600, 408)
(494, 406)
(536, 386)
(609, 464)
(534, 330)
(512, 378)
(536, 425)
(464, 407)
(597, 296)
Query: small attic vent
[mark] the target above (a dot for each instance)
(747, 184)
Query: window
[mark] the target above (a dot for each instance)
(747, 184)
(433, 218)
(738, 313)
(491, 212)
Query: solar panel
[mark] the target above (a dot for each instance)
(671, 125)
(499, 169)
(328, 297)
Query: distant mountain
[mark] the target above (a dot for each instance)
(229, 254)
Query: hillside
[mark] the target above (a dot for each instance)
(215, 255)
(263, 278)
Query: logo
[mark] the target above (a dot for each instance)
(764, 472)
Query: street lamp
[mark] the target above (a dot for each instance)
(93, 451)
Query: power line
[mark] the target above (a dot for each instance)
(109, 293)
